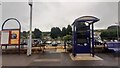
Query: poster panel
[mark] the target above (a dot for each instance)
(14, 37)
(5, 37)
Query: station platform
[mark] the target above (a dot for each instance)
(58, 57)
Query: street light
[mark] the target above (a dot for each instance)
(30, 32)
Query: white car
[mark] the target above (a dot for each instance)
(54, 43)
(59, 42)
(48, 42)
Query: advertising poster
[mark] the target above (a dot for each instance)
(14, 39)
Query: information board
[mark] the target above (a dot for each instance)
(5, 37)
(10, 37)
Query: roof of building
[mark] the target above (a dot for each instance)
(88, 19)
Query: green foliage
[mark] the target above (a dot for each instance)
(66, 31)
(24, 35)
(37, 33)
(55, 32)
(63, 31)
(69, 30)
(67, 37)
(58, 31)
(45, 33)
(110, 33)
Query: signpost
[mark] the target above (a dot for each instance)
(10, 36)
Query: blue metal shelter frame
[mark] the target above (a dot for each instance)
(19, 29)
(88, 38)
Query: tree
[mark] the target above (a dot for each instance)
(24, 35)
(45, 33)
(63, 33)
(58, 31)
(67, 37)
(37, 33)
(55, 32)
(69, 30)
(110, 33)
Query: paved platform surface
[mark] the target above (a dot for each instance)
(58, 59)
(53, 57)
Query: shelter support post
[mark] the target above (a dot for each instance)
(93, 40)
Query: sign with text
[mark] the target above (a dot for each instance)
(5, 37)
(10, 37)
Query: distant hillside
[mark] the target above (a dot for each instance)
(45, 33)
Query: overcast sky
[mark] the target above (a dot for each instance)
(59, 14)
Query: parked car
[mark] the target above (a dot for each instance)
(69, 42)
(54, 43)
(35, 42)
(98, 42)
(58, 42)
(48, 42)
(24, 42)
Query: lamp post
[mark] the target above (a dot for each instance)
(30, 32)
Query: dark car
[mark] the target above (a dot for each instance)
(69, 42)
